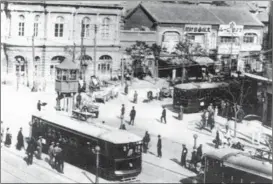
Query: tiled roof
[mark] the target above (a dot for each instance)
(263, 17)
(241, 16)
(193, 14)
(179, 13)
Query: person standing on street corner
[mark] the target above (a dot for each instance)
(163, 116)
(180, 113)
(20, 140)
(56, 151)
(135, 97)
(146, 140)
(8, 138)
(159, 147)
(122, 111)
(126, 88)
(39, 148)
(50, 154)
(184, 155)
(132, 116)
(39, 105)
(199, 153)
(30, 150)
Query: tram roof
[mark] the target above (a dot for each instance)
(201, 85)
(93, 129)
(250, 165)
(239, 160)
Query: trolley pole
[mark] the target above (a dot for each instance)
(97, 149)
(122, 71)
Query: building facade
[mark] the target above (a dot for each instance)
(37, 36)
(227, 33)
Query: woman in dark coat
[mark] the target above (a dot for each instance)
(30, 150)
(20, 140)
(8, 138)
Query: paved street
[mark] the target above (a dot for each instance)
(174, 133)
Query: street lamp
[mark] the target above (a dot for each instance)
(122, 69)
(97, 150)
(195, 136)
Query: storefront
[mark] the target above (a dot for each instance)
(198, 34)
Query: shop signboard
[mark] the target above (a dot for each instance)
(231, 30)
(189, 28)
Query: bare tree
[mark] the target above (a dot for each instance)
(238, 91)
(187, 50)
(141, 50)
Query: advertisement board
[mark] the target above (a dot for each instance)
(231, 30)
(189, 28)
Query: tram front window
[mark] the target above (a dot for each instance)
(127, 150)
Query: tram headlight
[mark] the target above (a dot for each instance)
(131, 165)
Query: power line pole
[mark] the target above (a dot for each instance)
(122, 71)
(95, 48)
(33, 55)
(82, 32)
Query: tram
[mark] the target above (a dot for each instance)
(234, 166)
(120, 153)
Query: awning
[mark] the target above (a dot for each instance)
(257, 77)
(204, 61)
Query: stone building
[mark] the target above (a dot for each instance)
(37, 35)
(209, 26)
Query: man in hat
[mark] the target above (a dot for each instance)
(39, 147)
(163, 116)
(50, 153)
(20, 140)
(159, 147)
(56, 152)
(184, 155)
(132, 116)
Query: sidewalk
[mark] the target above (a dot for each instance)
(71, 173)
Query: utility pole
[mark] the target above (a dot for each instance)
(122, 71)
(232, 25)
(33, 57)
(74, 50)
(82, 32)
(95, 48)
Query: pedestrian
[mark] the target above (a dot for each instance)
(8, 138)
(199, 153)
(30, 150)
(163, 116)
(184, 155)
(240, 114)
(132, 116)
(135, 97)
(39, 148)
(146, 140)
(180, 114)
(20, 140)
(223, 108)
(217, 140)
(39, 105)
(122, 110)
(2, 132)
(194, 159)
(56, 152)
(50, 153)
(78, 100)
(159, 147)
(211, 121)
(61, 161)
(126, 88)
(203, 119)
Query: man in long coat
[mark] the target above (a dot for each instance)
(39, 148)
(50, 153)
(159, 147)
(146, 140)
(30, 150)
(20, 140)
(163, 116)
(132, 116)
(184, 155)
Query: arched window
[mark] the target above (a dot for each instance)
(36, 25)
(104, 65)
(59, 27)
(250, 38)
(85, 27)
(170, 40)
(20, 64)
(21, 26)
(105, 28)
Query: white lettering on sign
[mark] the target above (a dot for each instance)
(197, 28)
(227, 30)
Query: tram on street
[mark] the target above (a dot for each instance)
(233, 166)
(197, 95)
(120, 154)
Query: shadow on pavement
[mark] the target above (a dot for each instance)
(176, 161)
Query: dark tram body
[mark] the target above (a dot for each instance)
(120, 151)
(229, 166)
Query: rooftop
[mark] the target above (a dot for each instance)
(67, 64)
(263, 17)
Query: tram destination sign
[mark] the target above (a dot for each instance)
(197, 28)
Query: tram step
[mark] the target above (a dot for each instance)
(130, 180)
